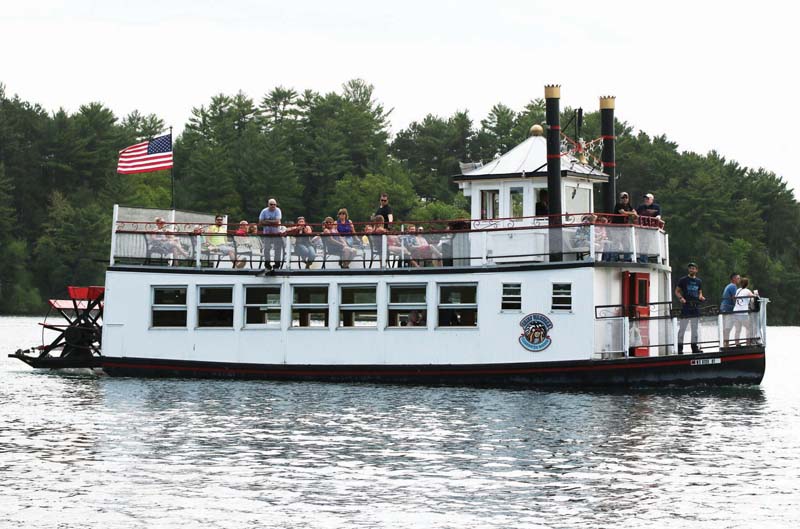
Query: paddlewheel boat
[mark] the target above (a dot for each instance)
(508, 298)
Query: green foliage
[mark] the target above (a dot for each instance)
(318, 152)
(438, 211)
(361, 195)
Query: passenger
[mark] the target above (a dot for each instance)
(726, 307)
(378, 224)
(303, 247)
(335, 244)
(648, 209)
(742, 311)
(163, 242)
(243, 243)
(218, 241)
(345, 226)
(425, 251)
(603, 244)
(368, 230)
(270, 219)
(392, 241)
(542, 207)
(415, 319)
(690, 294)
(624, 212)
(385, 211)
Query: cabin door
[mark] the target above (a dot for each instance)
(636, 298)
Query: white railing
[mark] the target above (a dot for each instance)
(618, 335)
(137, 240)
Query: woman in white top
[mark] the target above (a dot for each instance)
(741, 312)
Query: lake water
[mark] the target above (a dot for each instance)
(85, 451)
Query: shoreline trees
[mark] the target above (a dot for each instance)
(317, 152)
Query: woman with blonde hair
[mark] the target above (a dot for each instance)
(335, 244)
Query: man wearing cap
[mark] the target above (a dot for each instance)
(648, 208)
(270, 219)
(690, 293)
(624, 211)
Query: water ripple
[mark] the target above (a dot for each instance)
(87, 451)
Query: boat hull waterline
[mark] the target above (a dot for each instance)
(745, 365)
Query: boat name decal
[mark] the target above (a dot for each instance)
(534, 332)
(706, 361)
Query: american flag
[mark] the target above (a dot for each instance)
(147, 156)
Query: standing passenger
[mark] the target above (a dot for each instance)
(690, 294)
(726, 307)
(648, 209)
(623, 210)
(270, 219)
(385, 210)
(741, 312)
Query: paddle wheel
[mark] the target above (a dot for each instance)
(77, 342)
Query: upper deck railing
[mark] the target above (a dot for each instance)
(183, 240)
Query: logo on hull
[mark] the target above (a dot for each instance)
(534, 332)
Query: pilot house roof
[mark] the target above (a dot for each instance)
(527, 159)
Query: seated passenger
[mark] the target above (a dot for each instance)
(244, 243)
(335, 244)
(415, 319)
(303, 247)
(345, 226)
(163, 242)
(424, 251)
(218, 240)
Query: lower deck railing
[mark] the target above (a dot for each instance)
(619, 331)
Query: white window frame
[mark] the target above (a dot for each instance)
(262, 306)
(496, 213)
(321, 306)
(511, 188)
(360, 307)
(553, 293)
(169, 307)
(420, 306)
(215, 306)
(452, 306)
(511, 298)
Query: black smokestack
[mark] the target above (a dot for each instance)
(552, 96)
(609, 156)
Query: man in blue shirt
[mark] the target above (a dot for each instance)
(270, 219)
(726, 307)
(648, 208)
(690, 293)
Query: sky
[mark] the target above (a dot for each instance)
(708, 74)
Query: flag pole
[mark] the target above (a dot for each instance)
(172, 170)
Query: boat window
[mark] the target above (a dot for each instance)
(358, 306)
(512, 297)
(262, 306)
(578, 199)
(408, 306)
(490, 204)
(562, 297)
(310, 306)
(169, 307)
(215, 307)
(516, 197)
(458, 305)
